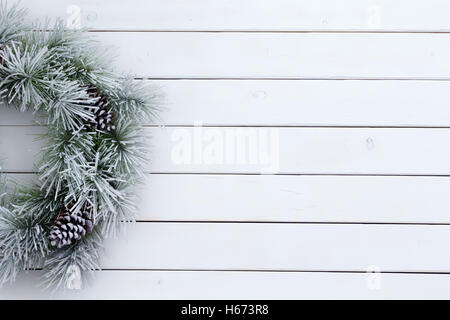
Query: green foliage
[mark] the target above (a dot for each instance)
(11, 25)
(49, 72)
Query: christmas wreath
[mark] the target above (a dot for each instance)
(94, 155)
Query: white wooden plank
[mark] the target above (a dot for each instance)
(291, 198)
(242, 285)
(270, 150)
(17, 143)
(295, 198)
(11, 116)
(306, 103)
(300, 247)
(296, 103)
(281, 55)
(403, 15)
(301, 150)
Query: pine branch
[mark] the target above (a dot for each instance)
(83, 256)
(51, 73)
(11, 22)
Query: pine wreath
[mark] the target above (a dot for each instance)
(94, 156)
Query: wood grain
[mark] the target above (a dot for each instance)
(324, 199)
(280, 15)
(281, 55)
(269, 150)
(294, 103)
(242, 285)
(298, 247)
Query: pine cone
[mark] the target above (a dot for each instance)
(103, 116)
(70, 227)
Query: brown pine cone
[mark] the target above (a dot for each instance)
(103, 115)
(70, 227)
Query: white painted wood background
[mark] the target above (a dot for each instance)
(358, 92)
